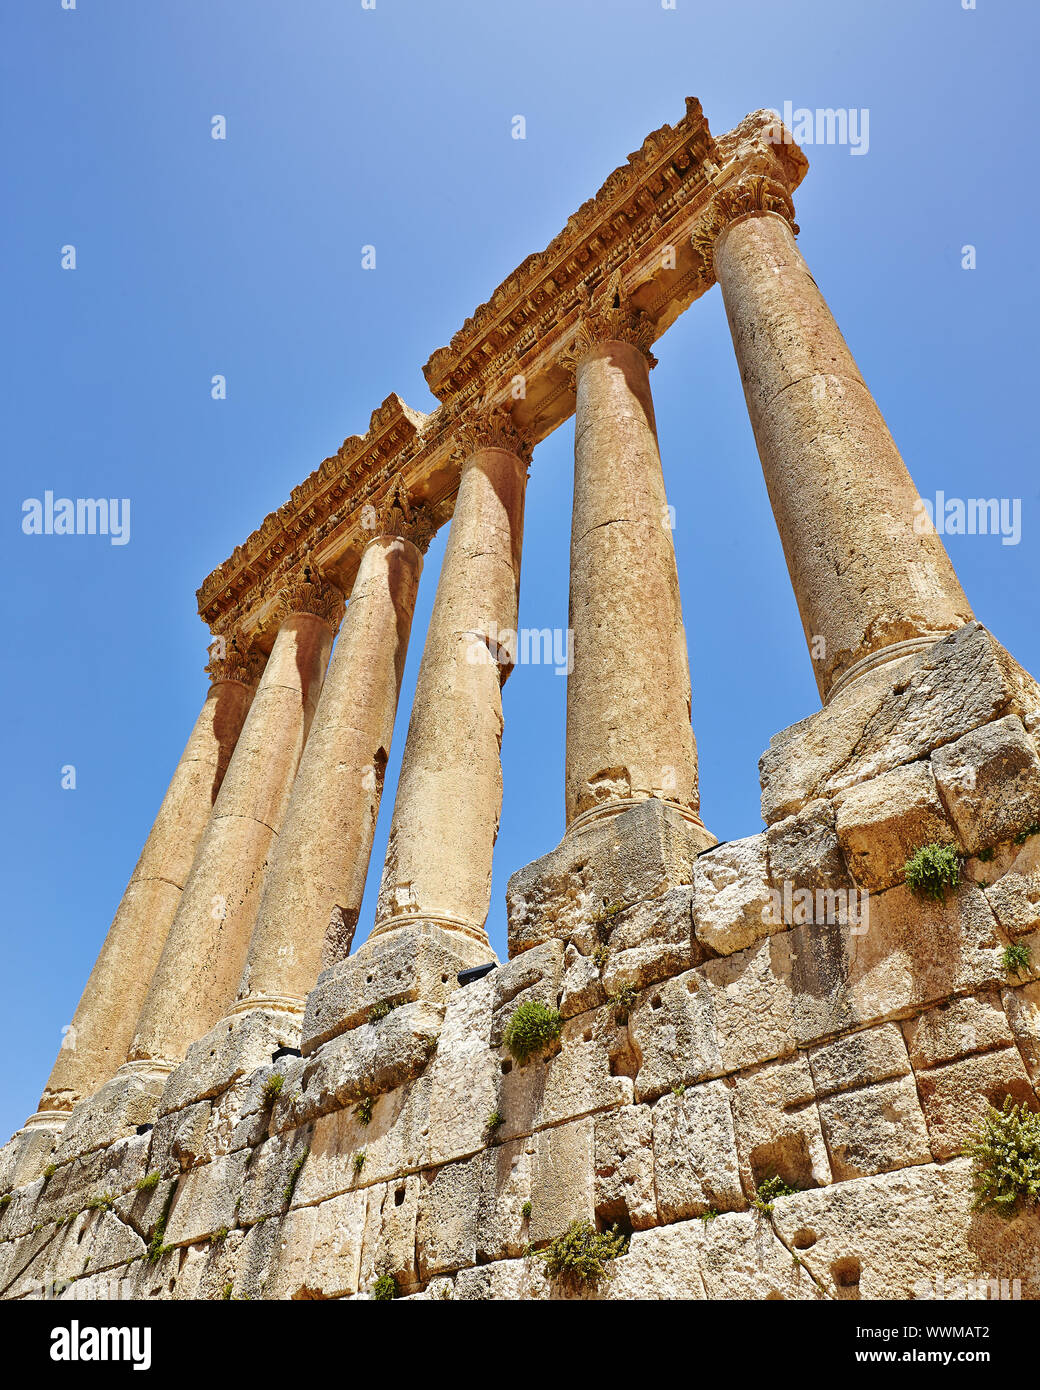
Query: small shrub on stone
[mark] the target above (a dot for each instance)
(768, 1190)
(1005, 1149)
(147, 1183)
(531, 1030)
(379, 1011)
(363, 1110)
(622, 999)
(525, 1211)
(273, 1088)
(582, 1255)
(1016, 958)
(932, 869)
(494, 1121)
(385, 1287)
(359, 1162)
(104, 1202)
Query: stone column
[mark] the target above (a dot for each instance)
(449, 794)
(314, 886)
(205, 950)
(871, 576)
(95, 1044)
(629, 735)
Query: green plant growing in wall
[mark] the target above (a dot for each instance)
(104, 1202)
(622, 999)
(156, 1248)
(1005, 1153)
(525, 1211)
(273, 1089)
(768, 1190)
(1016, 958)
(385, 1287)
(385, 1006)
(582, 1255)
(532, 1028)
(931, 870)
(148, 1182)
(359, 1162)
(363, 1110)
(494, 1121)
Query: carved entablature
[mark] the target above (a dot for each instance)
(626, 264)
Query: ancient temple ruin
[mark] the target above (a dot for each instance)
(245, 1107)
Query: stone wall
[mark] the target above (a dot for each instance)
(717, 1030)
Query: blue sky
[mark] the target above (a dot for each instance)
(392, 127)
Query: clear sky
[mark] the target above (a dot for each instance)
(392, 127)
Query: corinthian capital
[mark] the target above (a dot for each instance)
(484, 427)
(231, 659)
(400, 515)
(748, 197)
(309, 593)
(608, 316)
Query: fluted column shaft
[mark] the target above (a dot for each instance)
(96, 1043)
(449, 793)
(205, 950)
(866, 577)
(629, 734)
(316, 881)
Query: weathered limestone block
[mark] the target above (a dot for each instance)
(803, 850)
(24, 1157)
(732, 899)
(1022, 1006)
(990, 781)
(464, 1074)
(639, 853)
(624, 1160)
(1015, 896)
(114, 1113)
(373, 1058)
(396, 1140)
(179, 1138)
(256, 1259)
(894, 1235)
(740, 1257)
(957, 1028)
(318, 1251)
(93, 1240)
(650, 941)
(241, 1116)
(143, 1209)
(536, 975)
(449, 1216)
(230, 1050)
(917, 952)
(436, 1291)
(956, 1094)
(859, 1059)
(209, 1267)
(578, 1079)
(100, 1173)
(778, 1129)
(505, 1189)
(18, 1216)
(895, 714)
(388, 1246)
(581, 987)
(882, 822)
(662, 1263)
(207, 1199)
(506, 1279)
(272, 1176)
(695, 1153)
(418, 962)
(875, 1129)
(562, 1179)
(673, 1030)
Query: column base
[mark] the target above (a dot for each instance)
(604, 861)
(415, 960)
(898, 651)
